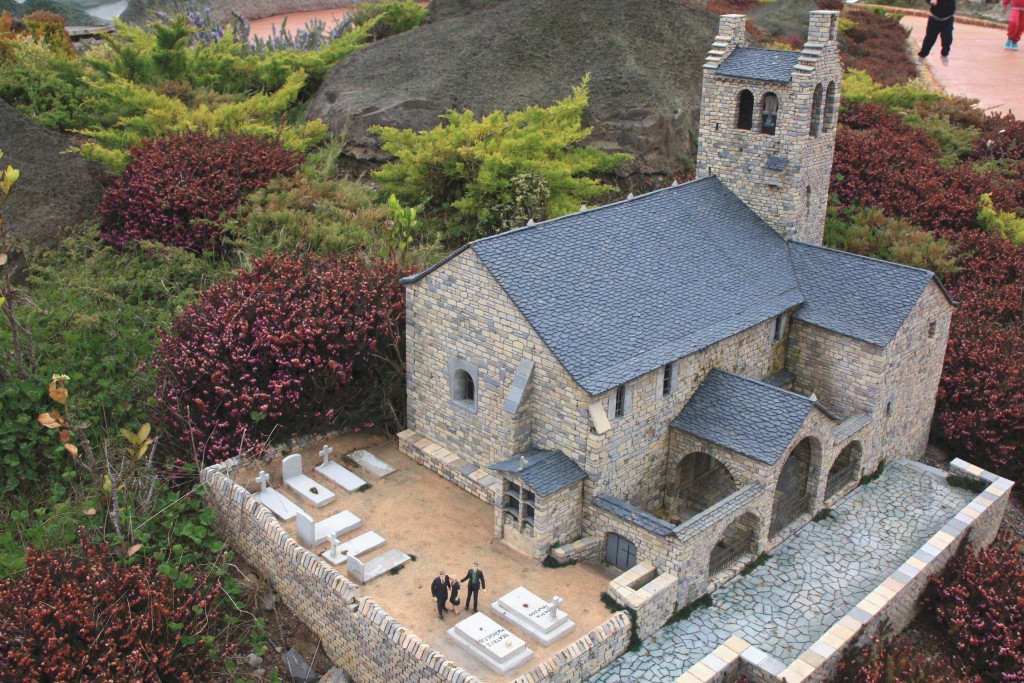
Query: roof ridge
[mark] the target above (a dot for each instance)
(860, 256)
(808, 399)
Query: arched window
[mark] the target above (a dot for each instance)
(816, 111)
(463, 387)
(745, 113)
(769, 113)
(829, 119)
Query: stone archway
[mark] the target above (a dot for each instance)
(699, 481)
(738, 539)
(793, 491)
(845, 469)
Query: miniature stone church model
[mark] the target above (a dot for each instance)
(685, 376)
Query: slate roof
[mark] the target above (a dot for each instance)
(860, 297)
(746, 416)
(635, 515)
(760, 64)
(619, 290)
(546, 471)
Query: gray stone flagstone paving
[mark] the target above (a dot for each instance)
(810, 581)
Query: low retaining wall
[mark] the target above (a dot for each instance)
(894, 602)
(438, 459)
(357, 634)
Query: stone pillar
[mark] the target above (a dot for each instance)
(823, 27)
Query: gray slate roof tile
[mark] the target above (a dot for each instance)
(860, 297)
(635, 515)
(744, 415)
(619, 290)
(545, 472)
(760, 64)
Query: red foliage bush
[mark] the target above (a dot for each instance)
(297, 343)
(730, 6)
(177, 189)
(980, 404)
(877, 46)
(897, 661)
(80, 616)
(883, 163)
(979, 601)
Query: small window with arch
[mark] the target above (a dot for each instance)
(769, 113)
(464, 386)
(816, 111)
(745, 111)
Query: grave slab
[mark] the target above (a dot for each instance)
(305, 487)
(364, 572)
(344, 478)
(314, 533)
(491, 643)
(541, 620)
(272, 498)
(360, 544)
(372, 463)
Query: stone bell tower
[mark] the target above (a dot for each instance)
(768, 123)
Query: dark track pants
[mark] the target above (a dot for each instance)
(937, 29)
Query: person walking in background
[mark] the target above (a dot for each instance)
(940, 25)
(439, 590)
(1016, 27)
(475, 579)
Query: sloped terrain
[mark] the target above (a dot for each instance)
(644, 58)
(55, 190)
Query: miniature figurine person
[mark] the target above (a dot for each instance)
(475, 584)
(454, 597)
(439, 590)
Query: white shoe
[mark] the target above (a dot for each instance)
(945, 60)
(919, 60)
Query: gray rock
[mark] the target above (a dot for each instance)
(253, 659)
(336, 675)
(645, 59)
(269, 602)
(298, 668)
(55, 190)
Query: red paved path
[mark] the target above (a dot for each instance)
(979, 65)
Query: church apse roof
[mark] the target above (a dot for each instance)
(745, 416)
(759, 64)
(543, 471)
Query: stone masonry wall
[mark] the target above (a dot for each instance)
(629, 460)
(356, 633)
(846, 374)
(460, 312)
(913, 366)
(739, 157)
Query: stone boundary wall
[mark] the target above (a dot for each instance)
(441, 461)
(894, 601)
(357, 634)
(586, 548)
(653, 597)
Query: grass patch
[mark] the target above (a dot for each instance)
(825, 513)
(552, 563)
(753, 564)
(613, 606)
(365, 487)
(969, 483)
(868, 478)
(700, 603)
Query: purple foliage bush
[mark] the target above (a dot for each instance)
(179, 188)
(297, 343)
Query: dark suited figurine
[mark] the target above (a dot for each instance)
(474, 582)
(439, 590)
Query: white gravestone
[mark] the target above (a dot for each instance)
(274, 500)
(540, 620)
(341, 552)
(305, 487)
(491, 643)
(372, 463)
(338, 474)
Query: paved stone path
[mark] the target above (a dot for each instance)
(979, 65)
(810, 581)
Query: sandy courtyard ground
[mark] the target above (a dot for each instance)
(443, 527)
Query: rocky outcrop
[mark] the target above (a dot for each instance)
(644, 58)
(55, 190)
(141, 12)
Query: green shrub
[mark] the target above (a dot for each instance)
(955, 142)
(392, 17)
(1008, 224)
(44, 85)
(490, 174)
(869, 232)
(859, 88)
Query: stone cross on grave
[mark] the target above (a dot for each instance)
(553, 607)
(333, 538)
(325, 453)
(263, 478)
